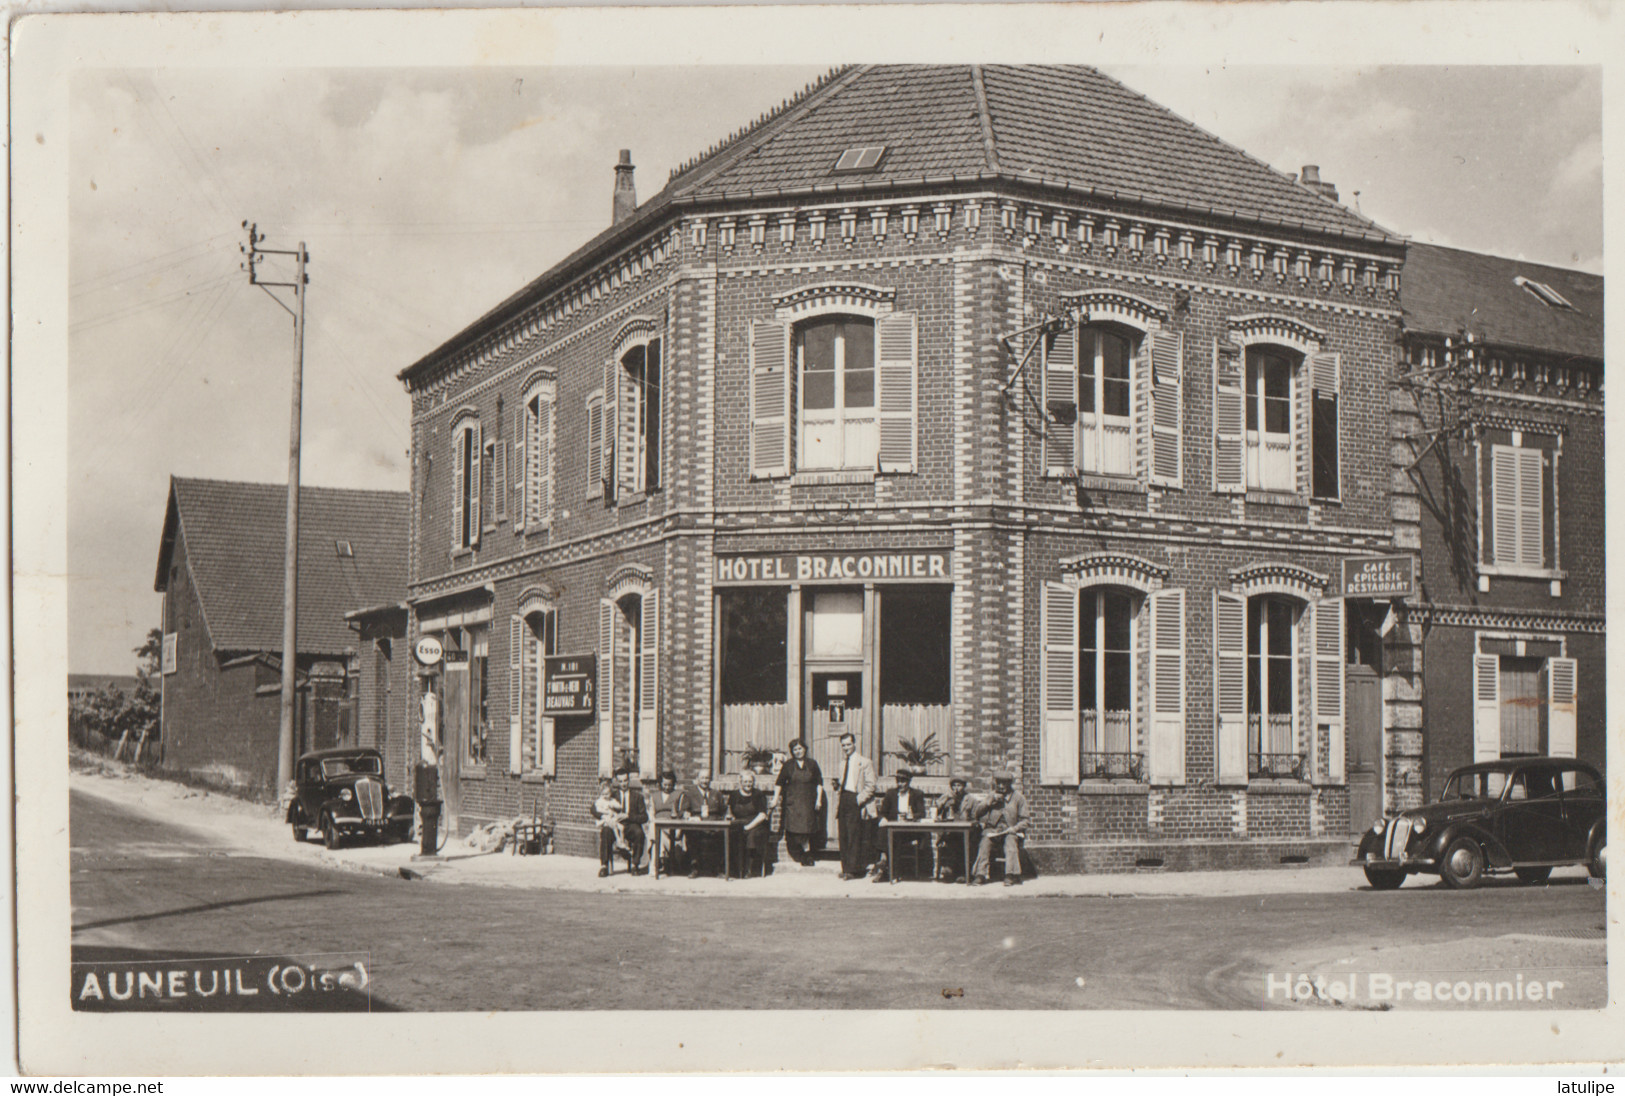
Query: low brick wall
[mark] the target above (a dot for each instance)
(1107, 857)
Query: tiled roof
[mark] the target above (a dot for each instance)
(1067, 127)
(1446, 291)
(235, 535)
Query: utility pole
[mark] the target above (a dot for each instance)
(255, 254)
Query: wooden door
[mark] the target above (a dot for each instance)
(832, 705)
(1363, 701)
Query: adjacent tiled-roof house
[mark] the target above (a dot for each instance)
(220, 568)
(1502, 402)
(990, 406)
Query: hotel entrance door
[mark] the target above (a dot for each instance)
(832, 705)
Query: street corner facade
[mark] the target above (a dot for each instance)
(937, 434)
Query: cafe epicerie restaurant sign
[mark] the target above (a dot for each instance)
(875, 565)
(1379, 577)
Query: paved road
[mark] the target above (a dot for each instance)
(145, 890)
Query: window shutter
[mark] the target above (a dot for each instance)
(530, 696)
(1058, 748)
(1531, 535)
(546, 758)
(595, 446)
(516, 684)
(770, 399)
(459, 443)
(1561, 709)
(1167, 420)
(899, 389)
(1328, 687)
(1486, 707)
(1167, 753)
(521, 467)
(542, 448)
(1504, 507)
(649, 700)
(1230, 684)
(1325, 378)
(654, 391)
(1060, 387)
(499, 481)
(609, 426)
(475, 483)
(1229, 471)
(628, 411)
(606, 687)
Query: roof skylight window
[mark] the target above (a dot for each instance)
(1544, 293)
(344, 549)
(854, 160)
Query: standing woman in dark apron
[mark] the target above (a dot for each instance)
(801, 792)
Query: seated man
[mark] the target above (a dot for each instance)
(1003, 817)
(907, 803)
(663, 803)
(748, 804)
(952, 806)
(701, 801)
(628, 803)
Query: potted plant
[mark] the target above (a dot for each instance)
(759, 759)
(917, 756)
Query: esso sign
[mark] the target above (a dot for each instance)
(428, 650)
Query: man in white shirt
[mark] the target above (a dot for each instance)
(854, 788)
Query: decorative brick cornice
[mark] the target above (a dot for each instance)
(629, 578)
(1271, 327)
(1277, 577)
(1115, 569)
(834, 297)
(1109, 304)
(1512, 620)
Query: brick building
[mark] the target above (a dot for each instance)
(995, 404)
(1501, 403)
(220, 568)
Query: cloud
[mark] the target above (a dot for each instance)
(1580, 170)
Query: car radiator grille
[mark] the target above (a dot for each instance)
(369, 797)
(1399, 835)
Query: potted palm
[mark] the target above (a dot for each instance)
(917, 755)
(759, 759)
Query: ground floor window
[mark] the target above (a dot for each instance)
(1525, 694)
(1272, 741)
(1106, 619)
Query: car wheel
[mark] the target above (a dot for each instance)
(1384, 878)
(301, 832)
(1463, 864)
(330, 832)
(1533, 876)
(1597, 865)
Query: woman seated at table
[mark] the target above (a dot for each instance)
(748, 804)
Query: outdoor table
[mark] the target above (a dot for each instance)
(925, 825)
(724, 826)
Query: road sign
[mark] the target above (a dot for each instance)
(568, 684)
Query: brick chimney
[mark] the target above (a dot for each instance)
(626, 194)
(1310, 178)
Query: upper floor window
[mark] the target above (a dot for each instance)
(595, 445)
(1112, 403)
(1275, 421)
(834, 393)
(1517, 506)
(468, 476)
(835, 363)
(533, 488)
(1270, 464)
(631, 421)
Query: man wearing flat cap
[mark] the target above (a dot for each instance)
(903, 803)
(1003, 817)
(952, 805)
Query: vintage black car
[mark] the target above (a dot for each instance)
(342, 794)
(1523, 815)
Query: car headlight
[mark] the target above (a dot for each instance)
(1419, 826)
(346, 795)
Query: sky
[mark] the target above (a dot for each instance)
(425, 196)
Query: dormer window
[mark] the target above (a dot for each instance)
(856, 160)
(1544, 293)
(344, 549)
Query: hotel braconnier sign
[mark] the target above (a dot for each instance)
(874, 565)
